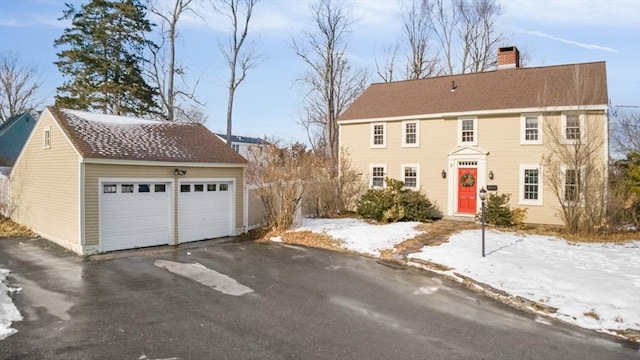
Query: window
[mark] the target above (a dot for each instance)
(571, 185)
(109, 188)
(160, 188)
(144, 188)
(531, 132)
(530, 184)
(198, 188)
(377, 175)
(410, 133)
(378, 135)
(467, 132)
(235, 147)
(185, 188)
(572, 125)
(211, 187)
(410, 176)
(224, 187)
(127, 188)
(47, 138)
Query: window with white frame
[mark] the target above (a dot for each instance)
(571, 185)
(531, 129)
(410, 131)
(410, 175)
(467, 134)
(572, 127)
(47, 138)
(531, 184)
(378, 135)
(378, 173)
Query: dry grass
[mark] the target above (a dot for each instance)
(435, 233)
(305, 238)
(10, 229)
(592, 314)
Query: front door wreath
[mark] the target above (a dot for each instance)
(467, 180)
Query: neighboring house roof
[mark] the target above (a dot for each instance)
(98, 136)
(516, 88)
(14, 133)
(242, 139)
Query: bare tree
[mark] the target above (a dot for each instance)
(626, 132)
(165, 67)
(574, 164)
(331, 84)
(417, 31)
(239, 55)
(388, 69)
(19, 86)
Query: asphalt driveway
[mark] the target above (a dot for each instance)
(242, 300)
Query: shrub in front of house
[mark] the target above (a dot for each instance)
(395, 203)
(499, 213)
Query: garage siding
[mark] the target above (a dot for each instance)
(93, 172)
(44, 186)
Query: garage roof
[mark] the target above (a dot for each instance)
(99, 136)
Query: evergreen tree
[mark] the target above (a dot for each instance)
(102, 62)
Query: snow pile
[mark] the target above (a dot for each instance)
(357, 235)
(8, 311)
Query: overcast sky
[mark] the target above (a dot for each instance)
(550, 32)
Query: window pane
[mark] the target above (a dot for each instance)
(160, 188)
(377, 178)
(185, 188)
(109, 188)
(198, 188)
(467, 131)
(144, 188)
(531, 128)
(571, 184)
(224, 187)
(410, 176)
(378, 134)
(531, 184)
(127, 188)
(410, 133)
(211, 187)
(573, 127)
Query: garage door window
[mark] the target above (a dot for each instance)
(211, 187)
(185, 188)
(160, 188)
(224, 187)
(109, 188)
(198, 188)
(127, 188)
(144, 188)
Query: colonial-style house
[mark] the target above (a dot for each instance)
(450, 136)
(95, 183)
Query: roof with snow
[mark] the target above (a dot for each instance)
(514, 88)
(99, 136)
(242, 139)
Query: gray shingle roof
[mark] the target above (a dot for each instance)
(515, 88)
(98, 136)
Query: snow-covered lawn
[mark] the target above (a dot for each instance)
(8, 311)
(593, 285)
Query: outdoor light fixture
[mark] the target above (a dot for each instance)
(179, 172)
(483, 196)
(443, 174)
(491, 175)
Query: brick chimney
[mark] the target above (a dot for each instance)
(508, 57)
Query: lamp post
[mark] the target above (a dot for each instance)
(483, 196)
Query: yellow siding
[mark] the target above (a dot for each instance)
(93, 172)
(44, 186)
(497, 135)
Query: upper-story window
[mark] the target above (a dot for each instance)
(235, 147)
(47, 138)
(467, 131)
(572, 127)
(531, 129)
(379, 135)
(410, 131)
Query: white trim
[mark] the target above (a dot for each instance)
(521, 199)
(454, 159)
(384, 135)
(474, 113)
(384, 167)
(46, 137)
(404, 133)
(161, 163)
(402, 174)
(81, 204)
(563, 128)
(523, 128)
(475, 132)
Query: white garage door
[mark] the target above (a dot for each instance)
(134, 214)
(205, 210)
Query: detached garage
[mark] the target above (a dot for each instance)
(97, 183)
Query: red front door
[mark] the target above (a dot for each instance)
(467, 184)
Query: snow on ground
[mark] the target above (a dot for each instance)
(8, 311)
(581, 280)
(359, 236)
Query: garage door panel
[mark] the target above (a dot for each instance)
(205, 214)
